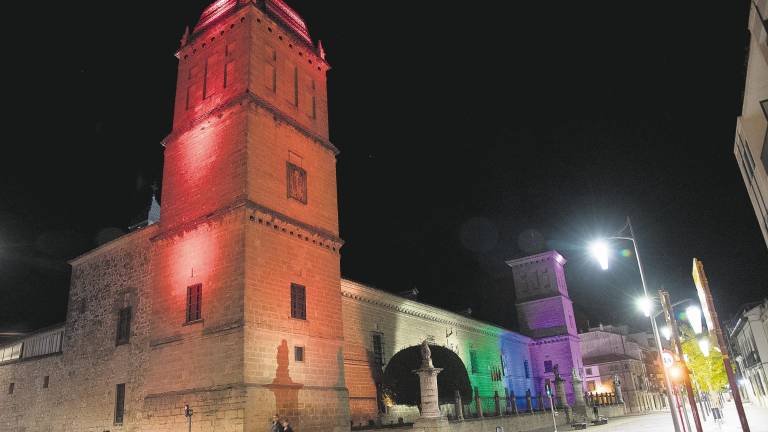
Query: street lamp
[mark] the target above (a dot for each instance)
(666, 332)
(599, 250)
(645, 305)
(693, 313)
(704, 346)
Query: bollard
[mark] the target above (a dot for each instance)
(478, 403)
(459, 406)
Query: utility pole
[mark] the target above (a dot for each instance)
(188, 414)
(672, 323)
(713, 324)
(548, 388)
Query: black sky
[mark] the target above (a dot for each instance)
(471, 133)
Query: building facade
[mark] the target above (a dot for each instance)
(751, 126)
(749, 339)
(233, 302)
(609, 354)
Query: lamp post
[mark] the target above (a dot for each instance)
(672, 322)
(601, 252)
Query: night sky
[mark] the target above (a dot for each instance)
(470, 133)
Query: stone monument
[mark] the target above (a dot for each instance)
(580, 412)
(562, 400)
(617, 388)
(430, 420)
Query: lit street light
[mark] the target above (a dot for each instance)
(704, 346)
(694, 318)
(599, 249)
(645, 305)
(666, 332)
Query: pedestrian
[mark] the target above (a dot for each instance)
(286, 427)
(276, 425)
(717, 408)
(594, 411)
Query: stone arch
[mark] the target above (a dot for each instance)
(403, 385)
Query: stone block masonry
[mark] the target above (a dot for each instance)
(233, 303)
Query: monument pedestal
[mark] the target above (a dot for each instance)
(430, 420)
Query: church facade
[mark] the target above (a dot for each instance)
(233, 302)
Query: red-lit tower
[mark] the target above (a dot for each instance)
(246, 311)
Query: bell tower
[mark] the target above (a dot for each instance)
(246, 313)
(545, 313)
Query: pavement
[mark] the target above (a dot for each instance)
(757, 417)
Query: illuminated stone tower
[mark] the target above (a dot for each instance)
(246, 312)
(545, 313)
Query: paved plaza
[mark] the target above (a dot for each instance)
(660, 422)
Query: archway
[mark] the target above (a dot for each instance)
(400, 383)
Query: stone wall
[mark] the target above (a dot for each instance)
(403, 323)
(82, 379)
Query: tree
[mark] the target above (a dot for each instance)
(707, 372)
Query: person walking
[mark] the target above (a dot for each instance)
(717, 408)
(286, 426)
(276, 424)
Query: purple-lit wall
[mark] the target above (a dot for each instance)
(545, 313)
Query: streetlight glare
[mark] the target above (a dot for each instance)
(666, 332)
(646, 305)
(599, 251)
(704, 346)
(694, 318)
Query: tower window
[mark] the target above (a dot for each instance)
(298, 353)
(297, 183)
(11, 386)
(503, 367)
(194, 302)
(298, 301)
(547, 366)
(527, 369)
(378, 349)
(46, 380)
(123, 326)
(119, 403)
(473, 361)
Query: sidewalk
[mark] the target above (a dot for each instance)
(757, 417)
